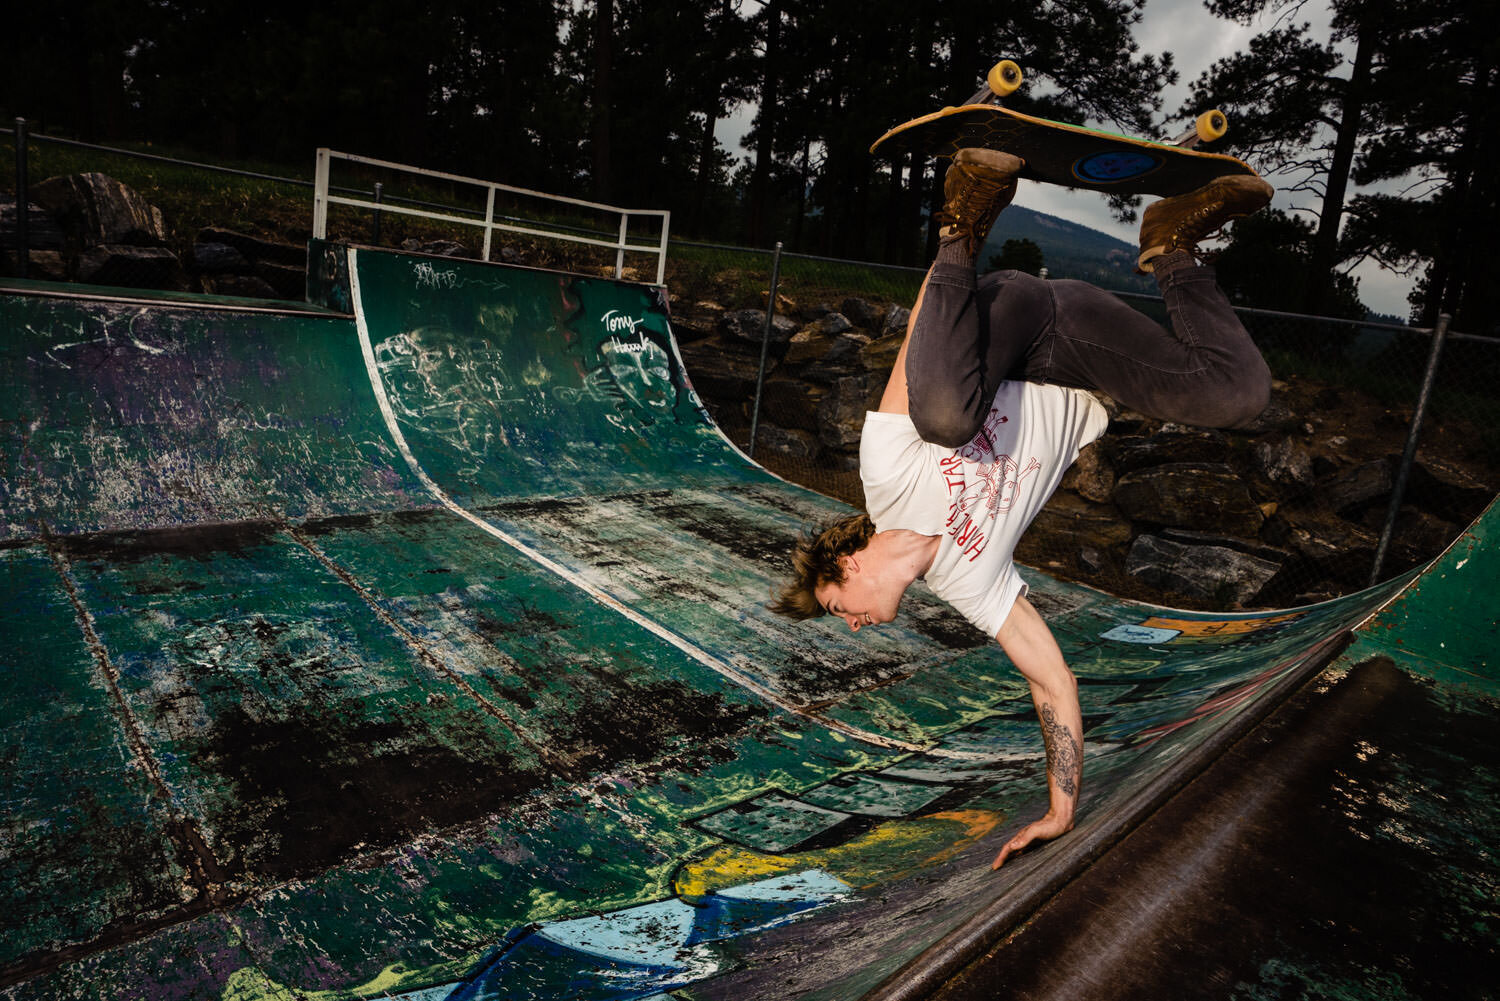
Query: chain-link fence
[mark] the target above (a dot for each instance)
(142, 217)
(1298, 508)
(1290, 511)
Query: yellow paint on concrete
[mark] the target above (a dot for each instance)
(251, 984)
(1197, 628)
(892, 850)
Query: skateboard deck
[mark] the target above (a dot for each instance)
(1069, 155)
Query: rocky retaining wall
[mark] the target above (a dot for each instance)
(1285, 512)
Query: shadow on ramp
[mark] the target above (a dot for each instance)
(1342, 849)
(418, 651)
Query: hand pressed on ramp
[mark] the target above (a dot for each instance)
(1050, 826)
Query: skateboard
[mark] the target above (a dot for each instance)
(1069, 155)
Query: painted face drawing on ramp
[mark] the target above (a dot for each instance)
(626, 356)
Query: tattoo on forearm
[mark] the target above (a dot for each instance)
(1064, 752)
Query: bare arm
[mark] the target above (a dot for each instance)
(1030, 645)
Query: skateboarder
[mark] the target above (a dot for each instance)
(987, 407)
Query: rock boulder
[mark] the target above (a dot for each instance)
(1214, 574)
(1202, 496)
(94, 209)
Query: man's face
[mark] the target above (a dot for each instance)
(865, 598)
(640, 369)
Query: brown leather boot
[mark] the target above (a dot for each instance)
(979, 184)
(1179, 222)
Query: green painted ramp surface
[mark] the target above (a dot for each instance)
(419, 652)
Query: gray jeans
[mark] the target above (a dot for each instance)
(968, 336)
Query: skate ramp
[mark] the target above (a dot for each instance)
(1344, 846)
(416, 648)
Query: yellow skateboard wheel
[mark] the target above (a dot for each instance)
(1211, 125)
(1004, 77)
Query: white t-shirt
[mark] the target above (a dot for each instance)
(981, 497)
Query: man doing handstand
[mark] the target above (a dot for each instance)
(987, 406)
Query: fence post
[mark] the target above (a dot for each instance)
(379, 190)
(1398, 492)
(320, 195)
(23, 237)
(765, 345)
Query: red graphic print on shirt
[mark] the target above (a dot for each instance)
(981, 485)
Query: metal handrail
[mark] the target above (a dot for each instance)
(322, 198)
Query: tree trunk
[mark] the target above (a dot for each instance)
(806, 178)
(911, 212)
(895, 214)
(915, 193)
(1326, 240)
(705, 161)
(604, 29)
(934, 203)
(1455, 271)
(765, 140)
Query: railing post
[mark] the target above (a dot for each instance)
(23, 237)
(620, 251)
(765, 345)
(379, 191)
(661, 254)
(1398, 492)
(320, 195)
(489, 221)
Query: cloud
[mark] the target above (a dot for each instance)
(1197, 40)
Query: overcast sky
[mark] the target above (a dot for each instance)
(1196, 39)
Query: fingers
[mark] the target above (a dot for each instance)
(1015, 844)
(1041, 830)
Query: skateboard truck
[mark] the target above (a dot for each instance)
(1206, 128)
(1002, 81)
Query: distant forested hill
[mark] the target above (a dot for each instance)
(1070, 250)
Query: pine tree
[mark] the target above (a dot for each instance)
(1300, 110)
(1439, 86)
(834, 83)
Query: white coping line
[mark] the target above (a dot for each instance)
(593, 591)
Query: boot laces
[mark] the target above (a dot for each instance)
(976, 189)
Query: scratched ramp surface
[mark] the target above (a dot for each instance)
(587, 444)
(420, 652)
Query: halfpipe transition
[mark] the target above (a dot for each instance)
(414, 646)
